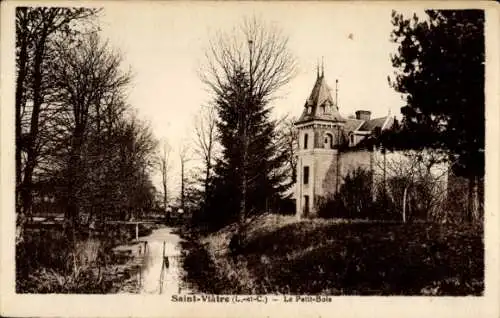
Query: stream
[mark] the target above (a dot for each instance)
(159, 274)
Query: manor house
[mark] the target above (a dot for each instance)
(330, 146)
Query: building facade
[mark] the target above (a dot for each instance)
(329, 146)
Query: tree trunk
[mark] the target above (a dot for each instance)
(165, 195)
(405, 193)
(207, 181)
(206, 194)
(182, 185)
(34, 125)
(243, 203)
(244, 138)
(73, 180)
(20, 100)
(243, 199)
(26, 188)
(473, 199)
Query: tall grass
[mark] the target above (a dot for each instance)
(47, 263)
(327, 257)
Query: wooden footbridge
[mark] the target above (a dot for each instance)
(136, 224)
(48, 222)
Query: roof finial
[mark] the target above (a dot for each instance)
(336, 93)
(317, 69)
(322, 67)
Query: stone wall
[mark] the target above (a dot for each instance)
(397, 163)
(352, 160)
(327, 172)
(322, 165)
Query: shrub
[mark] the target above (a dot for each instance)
(384, 208)
(46, 263)
(331, 207)
(367, 258)
(353, 200)
(202, 273)
(285, 206)
(456, 202)
(424, 197)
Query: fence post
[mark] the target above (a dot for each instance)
(405, 193)
(136, 231)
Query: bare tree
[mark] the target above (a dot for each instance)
(205, 139)
(164, 170)
(36, 28)
(135, 159)
(87, 75)
(287, 138)
(184, 157)
(260, 53)
(260, 50)
(413, 179)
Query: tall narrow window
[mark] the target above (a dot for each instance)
(328, 141)
(306, 205)
(306, 175)
(305, 141)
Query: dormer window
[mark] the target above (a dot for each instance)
(309, 109)
(327, 108)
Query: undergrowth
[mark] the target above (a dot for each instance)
(348, 258)
(46, 262)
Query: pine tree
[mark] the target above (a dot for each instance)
(240, 114)
(243, 72)
(440, 70)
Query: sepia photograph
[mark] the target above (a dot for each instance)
(248, 153)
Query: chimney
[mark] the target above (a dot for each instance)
(363, 114)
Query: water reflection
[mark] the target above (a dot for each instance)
(161, 271)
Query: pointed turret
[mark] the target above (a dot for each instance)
(322, 66)
(320, 104)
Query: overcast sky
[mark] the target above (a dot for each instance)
(164, 44)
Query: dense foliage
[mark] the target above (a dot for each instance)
(81, 152)
(244, 69)
(351, 258)
(79, 148)
(88, 267)
(440, 71)
(354, 198)
(261, 162)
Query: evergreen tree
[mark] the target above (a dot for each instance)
(244, 71)
(241, 114)
(440, 70)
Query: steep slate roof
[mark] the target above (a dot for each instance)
(320, 96)
(352, 124)
(371, 124)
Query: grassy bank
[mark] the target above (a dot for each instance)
(47, 263)
(282, 255)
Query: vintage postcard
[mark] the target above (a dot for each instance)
(207, 159)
